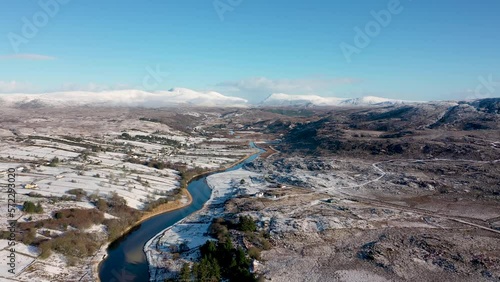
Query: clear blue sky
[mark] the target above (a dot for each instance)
(431, 50)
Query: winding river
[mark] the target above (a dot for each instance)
(126, 260)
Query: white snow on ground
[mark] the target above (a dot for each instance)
(59, 145)
(192, 230)
(100, 172)
(54, 268)
(201, 161)
(96, 228)
(56, 181)
(6, 133)
(148, 170)
(22, 261)
(35, 153)
(27, 250)
(143, 145)
(358, 276)
(5, 166)
(24, 256)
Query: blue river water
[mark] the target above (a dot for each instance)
(126, 260)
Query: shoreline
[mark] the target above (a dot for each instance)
(150, 254)
(103, 250)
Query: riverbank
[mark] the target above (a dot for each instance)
(165, 208)
(192, 231)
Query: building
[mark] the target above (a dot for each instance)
(31, 186)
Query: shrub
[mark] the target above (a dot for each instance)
(79, 193)
(75, 244)
(30, 207)
(115, 201)
(71, 261)
(115, 228)
(266, 245)
(247, 224)
(38, 208)
(218, 230)
(185, 274)
(28, 237)
(45, 249)
(77, 218)
(54, 162)
(101, 205)
(254, 253)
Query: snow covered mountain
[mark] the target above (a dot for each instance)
(372, 100)
(173, 97)
(178, 97)
(280, 99)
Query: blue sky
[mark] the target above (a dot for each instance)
(429, 50)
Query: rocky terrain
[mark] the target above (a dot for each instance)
(400, 193)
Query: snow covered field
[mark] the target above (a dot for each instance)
(25, 256)
(59, 153)
(35, 153)
(56, 181)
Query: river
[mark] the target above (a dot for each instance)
(126, 261)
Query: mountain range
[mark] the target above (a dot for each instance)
(181, 97)
(137, 98)
(280, 99)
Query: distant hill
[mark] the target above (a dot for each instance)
(134, 98)
(281, 99)
(438, 129)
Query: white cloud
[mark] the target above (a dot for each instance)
(91, 86)
(29, 57)
(14, 86)
(261, 87)
(21, 87)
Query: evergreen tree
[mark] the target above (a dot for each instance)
(241, 258)
(29, 207)
(247, 224)
(208, 270)
(185, 274)
(38, 208)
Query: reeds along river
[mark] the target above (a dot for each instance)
(126, 260)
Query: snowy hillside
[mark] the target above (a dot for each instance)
(178, 97)
(372, 100)
(173, 97)
(281, 99)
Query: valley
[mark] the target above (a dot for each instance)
(400, 192)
